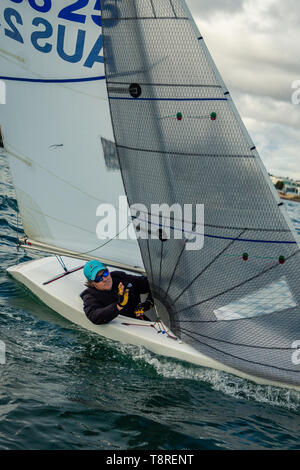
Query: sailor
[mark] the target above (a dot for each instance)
(110, 294)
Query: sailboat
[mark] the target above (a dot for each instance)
(123, 98)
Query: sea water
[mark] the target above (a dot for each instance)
(65, 388)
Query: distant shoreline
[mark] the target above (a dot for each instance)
(288, 197)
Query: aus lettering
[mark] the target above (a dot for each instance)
(41, 41)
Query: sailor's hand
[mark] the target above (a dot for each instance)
(145, 306)
(139, 311)
(121, 288)
(123, 296)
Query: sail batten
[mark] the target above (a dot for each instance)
(180, 139)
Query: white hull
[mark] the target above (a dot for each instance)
(62, 296)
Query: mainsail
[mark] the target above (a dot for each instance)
(237, 299)
(57, 128)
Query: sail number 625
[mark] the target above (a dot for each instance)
(70, 12)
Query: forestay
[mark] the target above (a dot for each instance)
(180, 140)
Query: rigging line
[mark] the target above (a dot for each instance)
(251, 241)
(165, 99)
(56, 219)
(241, 359)
(177, 263)
(161, 254)
(170, 152)
(80, 228)
(61, 262)
(106, 243)
(184, 230)
(205, 269)
(150, 260)
(238, 285)
(48, 80)
(18, 238)
(238, 344)
(161, 257)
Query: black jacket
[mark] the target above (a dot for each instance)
(101, 306)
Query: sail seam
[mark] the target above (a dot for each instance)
(165, 99)
(283, 242)
(183, 85)
(254, 229)
(132, 18)
(227, 321)
(242, 359)
(238, 285)
(165, 152)
(239, 344)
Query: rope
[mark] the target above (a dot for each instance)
(205, 269)
(238, 285)
(18, 238)
(106, 243)
(162, 329)
(61, 262)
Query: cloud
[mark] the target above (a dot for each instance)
(279, 146)
(206, 8)
(256, 47)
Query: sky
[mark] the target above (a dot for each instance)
(256, 47)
